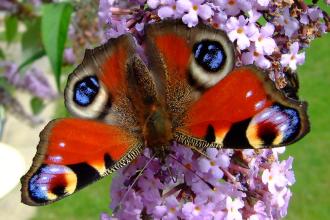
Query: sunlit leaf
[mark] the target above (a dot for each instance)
(2, 54)
(31, 38)
(32, 58)
(54, 27)
(37, 105)
(11, 27)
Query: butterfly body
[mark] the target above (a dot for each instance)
(184, 88)
(158, 132)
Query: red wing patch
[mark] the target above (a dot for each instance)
(245, 110)
(238, 96)
(114, 72)
(72, 154)
(176, 53)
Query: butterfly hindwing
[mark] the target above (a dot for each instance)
(73, 153)
(245, 110)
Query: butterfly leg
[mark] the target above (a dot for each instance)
(199, 145)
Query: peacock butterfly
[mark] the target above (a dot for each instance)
(186, 89)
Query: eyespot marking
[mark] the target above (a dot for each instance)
(86, 90)
(267, 132)
(50, 182)
(210, 55)
(276, 125)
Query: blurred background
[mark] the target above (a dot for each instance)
(37, 53)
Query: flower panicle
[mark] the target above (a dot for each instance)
(32, 80)
(269, 34)
(227, 184)
(245, 185)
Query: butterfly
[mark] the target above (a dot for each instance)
(183, 87)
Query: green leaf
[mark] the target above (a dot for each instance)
(54, 27)
(11, 25)
(37, 105)
(2, 54)
(31, 38)
(31, 59)
(5, 85)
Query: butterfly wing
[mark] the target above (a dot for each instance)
(73, 153)
(211, 103)
(175, 56)
(245, 110)
(98, 87)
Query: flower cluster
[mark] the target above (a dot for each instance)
(269, 34)
(84, 30)
(25, 76)
(33, 80)
(227, 184)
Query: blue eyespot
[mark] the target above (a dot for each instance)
(86, 90)
(293, 124)
(210, 55)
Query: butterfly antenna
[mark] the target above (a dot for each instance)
(134, 181)
(201, 178)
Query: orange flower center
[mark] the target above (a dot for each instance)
(197, 208)
(231, 2)
(240, 30)
(216, 25)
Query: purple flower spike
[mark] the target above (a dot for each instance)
(227, 184)
(33, 80)
(190, 186)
